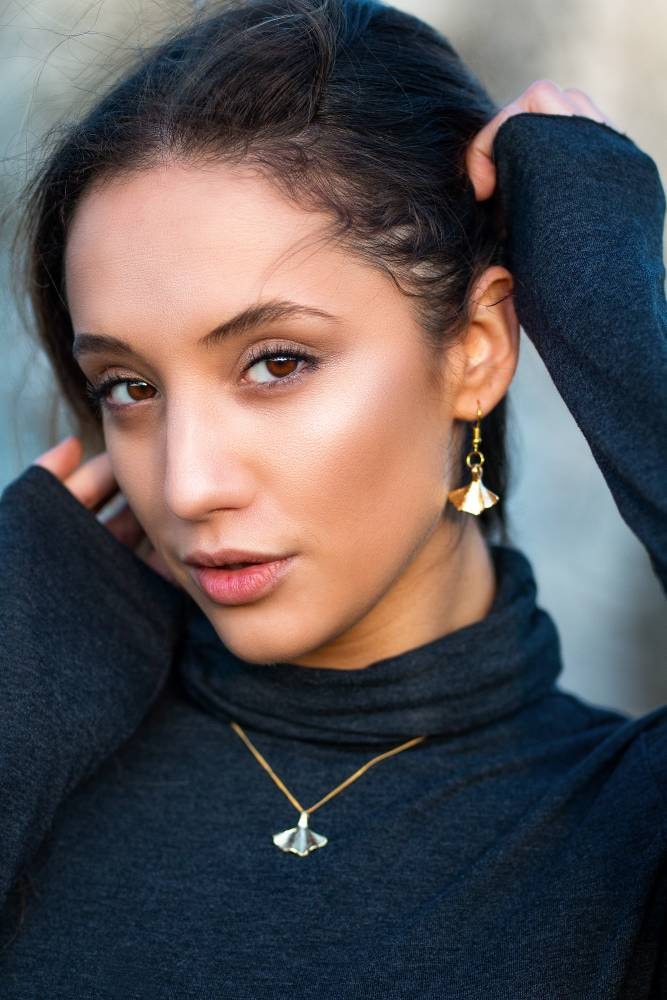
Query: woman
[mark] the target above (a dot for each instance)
(277, 268)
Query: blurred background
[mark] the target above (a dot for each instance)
(593, 575)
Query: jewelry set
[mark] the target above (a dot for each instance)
(300, 839)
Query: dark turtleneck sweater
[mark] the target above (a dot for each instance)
(519, 852)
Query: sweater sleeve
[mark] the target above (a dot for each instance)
(583, 209)
(87, 636)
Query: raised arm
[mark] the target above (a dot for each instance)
(584, 210)
(86, 642)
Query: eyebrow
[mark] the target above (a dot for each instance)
(242, 322)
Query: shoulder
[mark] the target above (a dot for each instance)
(653, 740)
(633, 754)
(627, 755)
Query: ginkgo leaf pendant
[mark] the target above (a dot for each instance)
(300, 839)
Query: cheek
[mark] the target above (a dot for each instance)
(137, 480)
(372, 475)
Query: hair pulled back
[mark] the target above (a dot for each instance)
(348, 106)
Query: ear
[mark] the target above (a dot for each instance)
(486, 356)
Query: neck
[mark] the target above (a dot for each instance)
(449, 583)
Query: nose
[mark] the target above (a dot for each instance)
(204, 470)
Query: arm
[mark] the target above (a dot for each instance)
(87, 636)
(584, 211)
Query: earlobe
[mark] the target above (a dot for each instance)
(490, 346)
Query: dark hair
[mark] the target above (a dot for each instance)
(350, 106)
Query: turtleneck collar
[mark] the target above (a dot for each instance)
(455, 683)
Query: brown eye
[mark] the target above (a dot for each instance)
(136, 390)
(279, 365)
(100, 396)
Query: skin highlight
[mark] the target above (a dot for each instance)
(346, 465)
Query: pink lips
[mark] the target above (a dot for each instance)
(238, 586)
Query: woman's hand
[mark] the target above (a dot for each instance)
(93, 485)
(543, 96)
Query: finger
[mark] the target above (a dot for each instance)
(93, 483)
(479, 163)
(583, 105)
(587, 107)
(543, 96)
(546, 97)
(63, 458)
(122, 523)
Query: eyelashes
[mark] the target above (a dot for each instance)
(98, 394)
(282, 354)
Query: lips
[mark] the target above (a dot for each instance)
(230, 557)
(240, 586)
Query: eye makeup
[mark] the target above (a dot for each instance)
(98, 393)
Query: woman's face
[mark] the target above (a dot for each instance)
(339, 459)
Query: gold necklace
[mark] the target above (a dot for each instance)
(300, 839)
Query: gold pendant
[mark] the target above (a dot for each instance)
(475, 497)
(300, 839)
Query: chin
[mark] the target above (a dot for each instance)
(257, 643)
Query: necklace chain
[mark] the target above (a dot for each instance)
(339, 788)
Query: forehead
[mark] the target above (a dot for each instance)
(169, 237)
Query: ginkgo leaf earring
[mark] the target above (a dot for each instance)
(475, 497)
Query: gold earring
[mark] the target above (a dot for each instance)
(475, 497)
